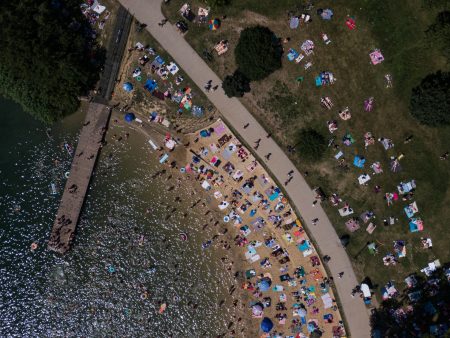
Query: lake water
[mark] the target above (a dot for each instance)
(124, 262)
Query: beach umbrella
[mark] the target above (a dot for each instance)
(128, 87)
(214, 24)
(129, 117)
(264, 284)
(266, 325)
(257, 309)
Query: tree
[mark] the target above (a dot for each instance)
(310, 144)
(431, 309)
(438, 33)
(236, 84)
(46, 58)
(430, 101)
(258, 52)
(217, 3)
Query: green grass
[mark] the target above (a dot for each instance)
(143, 97)
(398, 29)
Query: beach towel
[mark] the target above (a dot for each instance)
(292, 54)
(411, 209)
(327, 301)
(219, 129)
(293, 23)
(278, 288)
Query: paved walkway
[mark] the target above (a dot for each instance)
(149, 12)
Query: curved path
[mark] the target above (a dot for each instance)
(149, 12)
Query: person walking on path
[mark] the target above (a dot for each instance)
(340, 274)
(314, 203)
(268, 156)
(246, 125)
(290, 173)
(314, 221)
(163, 22)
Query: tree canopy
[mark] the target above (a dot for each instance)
(47, 49)
(430, 101)
(217, 3)
(236, 84)
(258, 52)
(429, 309)
(311, 144)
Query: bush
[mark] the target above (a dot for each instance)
(217, 3)
(430, 101)
(310, 144)
(45, 58)
(236, 84)
(258, 52)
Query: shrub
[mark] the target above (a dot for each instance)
(236, 84)
(258, 52)
(430, 101)
(217, 3)
(310, 144)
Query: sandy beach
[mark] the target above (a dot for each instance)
(252, 229)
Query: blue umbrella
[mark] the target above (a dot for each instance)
(128, 87)
(266, 325)
(129, 117)
(264, 284)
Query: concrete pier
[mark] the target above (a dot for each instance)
(91, 137)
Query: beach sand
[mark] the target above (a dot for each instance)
(280, 228)
(201, 204)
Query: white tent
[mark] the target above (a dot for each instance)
(97, 8)
(365, 290)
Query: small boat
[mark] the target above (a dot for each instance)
(68, 148)
(53, 189)
(162, 308)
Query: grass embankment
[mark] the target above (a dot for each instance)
(398, 29)
(141, 101)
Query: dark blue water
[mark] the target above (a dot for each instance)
(78, 295)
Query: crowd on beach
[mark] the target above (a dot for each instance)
(284, 277)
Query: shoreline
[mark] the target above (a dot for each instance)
(313, 278)
(211, 227)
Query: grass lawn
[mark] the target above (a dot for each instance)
(398, 30)
(141, 101)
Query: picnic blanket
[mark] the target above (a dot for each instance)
(293, 23)
(327, 301)
(292, 54)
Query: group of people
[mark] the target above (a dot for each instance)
(63, 228)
